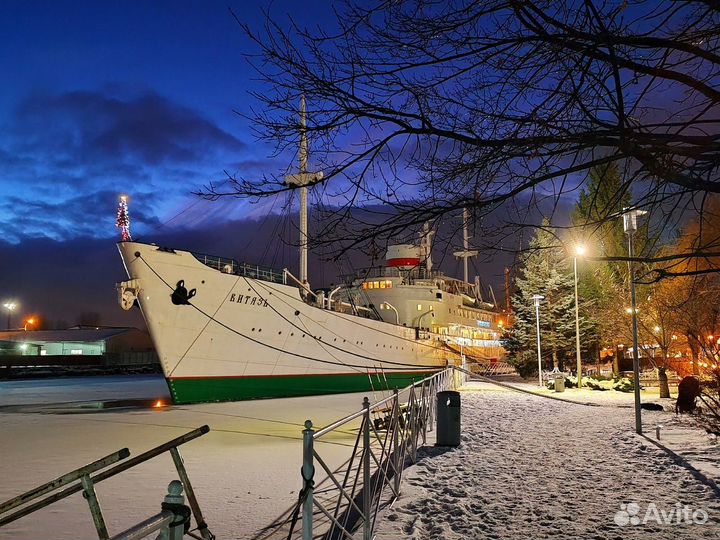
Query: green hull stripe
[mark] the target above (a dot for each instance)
(197, 390)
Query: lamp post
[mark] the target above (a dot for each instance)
(536, 298)
(630, 218)
(579, 251)
(10, 306)
(428, 312)
(388, 305)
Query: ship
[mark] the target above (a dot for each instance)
(225, 330)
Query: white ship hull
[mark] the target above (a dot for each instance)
(244, 338)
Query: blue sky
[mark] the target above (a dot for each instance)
(102, 98)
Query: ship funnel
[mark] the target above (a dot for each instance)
(403, 256)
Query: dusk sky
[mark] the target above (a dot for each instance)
(103, 98)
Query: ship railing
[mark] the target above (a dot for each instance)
(340, 502)
(391, 271)
(231, 266)
(172, 521)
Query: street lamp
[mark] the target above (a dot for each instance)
(630, 219)
(536, 298)
(10, 306)
(579, 252)
(388, 305)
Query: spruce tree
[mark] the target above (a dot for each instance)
(547, 272)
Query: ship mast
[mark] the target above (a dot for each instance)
(302, 180)
(466, 253)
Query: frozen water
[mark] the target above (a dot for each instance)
(68, 389)
(245, 472)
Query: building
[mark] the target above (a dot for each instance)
(80, 345)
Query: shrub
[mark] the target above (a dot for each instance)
(624, 385)
(621, 385)
(525, 363)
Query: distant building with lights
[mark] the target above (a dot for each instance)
(79, 345)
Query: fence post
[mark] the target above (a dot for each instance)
(412, 405)
(308, 471)
(431, 402)
(175, 502)
(192, 499)
(367, 501)
(95, 510)
(399, 458)
(423, 411)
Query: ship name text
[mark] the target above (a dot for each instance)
(249, 300)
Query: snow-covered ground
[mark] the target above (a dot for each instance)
(245, 472)
(530, 467)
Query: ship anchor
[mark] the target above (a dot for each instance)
(181, 295)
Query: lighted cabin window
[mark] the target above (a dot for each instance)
(419, 308)
(388, 284)
(382, 284)
(365, 285)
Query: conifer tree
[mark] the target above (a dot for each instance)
(545, 271)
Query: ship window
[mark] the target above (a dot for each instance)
(75, 351)
(419, 307)
(365, 285)
(382, 284)
(388, 284)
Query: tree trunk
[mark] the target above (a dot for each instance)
(695, 364)
(616, 363)
(663, 381)
(555, 359)
(599, 359)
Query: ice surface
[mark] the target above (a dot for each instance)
(245, 472)
(67, 389)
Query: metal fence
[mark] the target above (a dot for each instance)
(172, 521)
(347, 499)
(231, 266)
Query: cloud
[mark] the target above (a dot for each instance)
(64, 158)
(85, 126)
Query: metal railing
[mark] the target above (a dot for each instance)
(231, 266)
(491, 369)
(349, 497)
(172, 519)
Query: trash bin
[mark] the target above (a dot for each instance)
(448, 418)
(559, 383)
